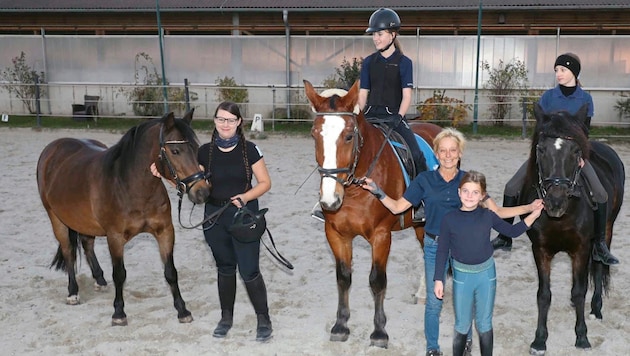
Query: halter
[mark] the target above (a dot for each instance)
(545, 183)
(183, 185)
(356, 148)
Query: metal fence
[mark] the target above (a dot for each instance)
(272, 67)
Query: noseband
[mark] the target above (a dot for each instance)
(544, 183)
(356, 148)
(183, 185)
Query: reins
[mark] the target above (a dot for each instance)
(215, 216)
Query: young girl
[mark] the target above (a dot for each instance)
(465, 235)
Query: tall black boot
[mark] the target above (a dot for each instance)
(459, 343)
(227, 293)
(486, 343)
(257, 292)
(501, 241)
(601, 252)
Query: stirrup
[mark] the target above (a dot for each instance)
(419, 215)
(317, 213)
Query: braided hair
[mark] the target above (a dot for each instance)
(233, 109)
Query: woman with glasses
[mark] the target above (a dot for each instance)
(232, 162)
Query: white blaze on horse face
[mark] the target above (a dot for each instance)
(331, 129)
(558, 143)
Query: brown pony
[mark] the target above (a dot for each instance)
(90, 191)
(347, 147)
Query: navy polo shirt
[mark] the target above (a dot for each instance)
(553, 100)
(440, 197)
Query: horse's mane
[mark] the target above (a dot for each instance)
(559, 124)
(122, 154)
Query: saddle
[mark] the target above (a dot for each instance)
(403, 152)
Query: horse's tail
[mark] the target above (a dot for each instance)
(605, 275)
(59, 263)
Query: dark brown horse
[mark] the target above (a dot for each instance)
(90, 191)
(346, 146)
(567, 223)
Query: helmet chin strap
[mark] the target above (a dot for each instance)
(389, 45)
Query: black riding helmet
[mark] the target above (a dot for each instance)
(383, 19)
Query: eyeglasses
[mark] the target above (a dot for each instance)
(223, 120)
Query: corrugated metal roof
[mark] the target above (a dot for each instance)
(295, 5)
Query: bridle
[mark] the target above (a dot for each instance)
(183, 185)
(356, 149)
(544, 183)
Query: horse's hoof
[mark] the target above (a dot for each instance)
(185, 320)
(119, 322)
(72, 300)
(594, 316)
(100, 288)
(533, 351)
(583, 343)
(379, 343)
(339, 337)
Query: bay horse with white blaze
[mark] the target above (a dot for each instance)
(346, 146)
(559, 145)
(89, 190)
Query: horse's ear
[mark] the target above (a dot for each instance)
(582, 114)
(354, 94)
(189, 116)
(311, 94)
(539, 113)
(168, 120)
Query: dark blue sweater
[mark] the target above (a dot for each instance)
(466, 235)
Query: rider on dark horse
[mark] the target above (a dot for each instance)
(387, 83)
(569, 96)
(386, 87)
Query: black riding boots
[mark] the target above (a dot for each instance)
(601, 252)
(227, 294)
(486, 343)
(257, 292)
(459, 344)
(503, 242)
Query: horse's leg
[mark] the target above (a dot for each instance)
(90, 256)
(66, 256)
(116, 244)
(166, 242)
(420, 295)
(578, 295)
(342, 249)
(543, 265)
(378, 282)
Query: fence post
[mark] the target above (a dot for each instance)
(186, 94)
(524, 125)
(37, 101)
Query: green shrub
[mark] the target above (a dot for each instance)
(147, 98)
(20, 80)
(506, 82)
(442, 108)
(345, 75)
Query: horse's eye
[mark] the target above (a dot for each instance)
(175, 151)
(349, 137)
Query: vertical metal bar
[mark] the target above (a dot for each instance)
(476, 104)
(37, 101)
(287, 34)
(187, 94)
(161, 38)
